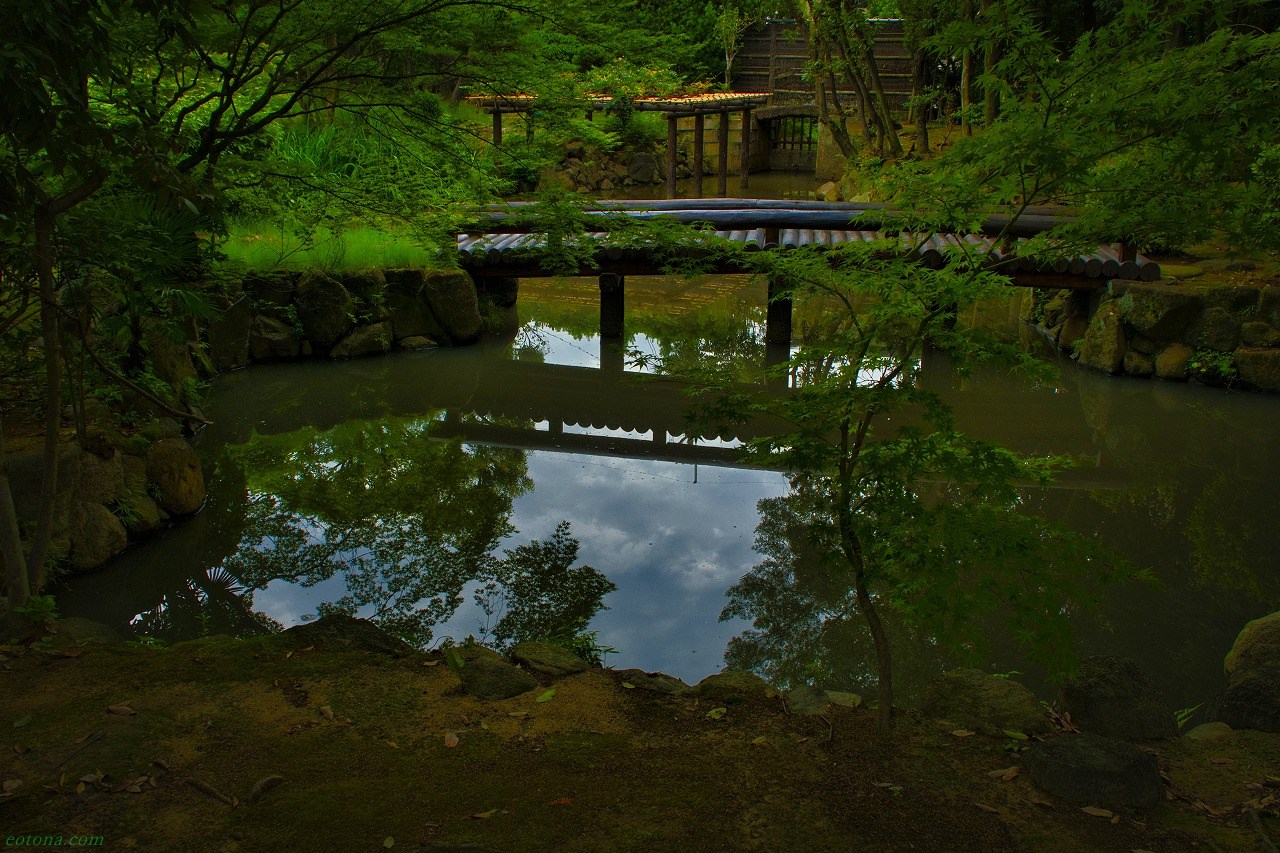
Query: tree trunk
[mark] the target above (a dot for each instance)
(53, 396)
(966, 79)
(919, 83)
(16, 583)
(990, 97)
(884, 663)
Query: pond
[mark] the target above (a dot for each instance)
(528, 486)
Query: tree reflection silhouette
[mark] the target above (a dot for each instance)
(405, 520)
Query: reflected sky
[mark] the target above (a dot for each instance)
(1177, 478)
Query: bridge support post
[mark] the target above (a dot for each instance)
(497, 127)
(722, 156)
(699, 126)
(672, 140)
(611, 305)
(774, 355)
(777, 324)
(745, 150)
(613, 357)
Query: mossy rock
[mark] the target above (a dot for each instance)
(340, 632)
(734, 684)
(547, 659)
(1104, 341)
(982, 702)
(325, 309)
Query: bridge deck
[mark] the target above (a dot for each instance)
(519, 255)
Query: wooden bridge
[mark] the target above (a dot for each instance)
(504, 247)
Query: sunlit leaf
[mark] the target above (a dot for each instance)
(716, 713)
(546, 697)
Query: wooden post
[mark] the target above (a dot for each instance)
(776, 381)
(722, 156)
(497, 127)
(613, 356)
(745, 147)
(777, 324)
(672, 118)
(699, 126)
(611, 305)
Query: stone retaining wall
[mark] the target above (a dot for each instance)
(1219, 334)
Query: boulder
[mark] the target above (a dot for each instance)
(644, 169)
(1256, 333)
(96, 535)
(407, 304)
(174, 469)
(733, 684)
(1138, 364)
(1089, 769)
(1268, 309)
(1210, 731)
(365, 340)
(168, 355)
(808, 700)
(1257, 644)
(26, 473)
(452, 298)
(1174, 361)
(344, 633)
(140, 513)
(273, 340)
(325, 309)
(80, 630)
(100, 480)
(416, 342)
(1160, 312)
(654, 682)
(368, 288)
(1215, 329)
(1112, 697)
(1072, 331)
(1104, 342)
(982, 702)
(272, 291)
(547, 659)
(1260, 368)
(494, 678)
(228, 336)
(1252, 697)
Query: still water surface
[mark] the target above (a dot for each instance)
(432, 490)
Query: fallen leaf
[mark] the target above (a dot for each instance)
(1272, 781)
(79, 787)
(389, 842)
(11, 785)
(760, 741)
(23, 750)
(306, 648)
(1115, 819)
(1097, 812)
(1221, 761)
(484, 725)
(121, 710)
(1010, 773)
(1045, 803)
(1015, 735)
(563, 801)
(326, 712)
(162, 764)
(716, 713)
(288, 655)
(485, 815)
(546, 697)
(450, 740)
(261, 788)
(518, 714)
(69, 653)
(1000, 773)
(431, 663)
(628, 685)
(987, 808)
(392, 744)
(80, 739)
(22, 721)
(963, 733)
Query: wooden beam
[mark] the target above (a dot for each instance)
(699, 126)
(722, 155)
(671, 154)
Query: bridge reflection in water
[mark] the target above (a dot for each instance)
(612, 411)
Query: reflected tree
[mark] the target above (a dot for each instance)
(211, 602)
(536, 593)
(407, 520)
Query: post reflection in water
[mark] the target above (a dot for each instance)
(406, 488)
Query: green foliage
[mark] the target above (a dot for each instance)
(585, 645)
(1182, 716)
(40, 608)
(1213, 368)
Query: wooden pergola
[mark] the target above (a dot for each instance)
(675, 108)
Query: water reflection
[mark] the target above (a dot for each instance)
(513, 438)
